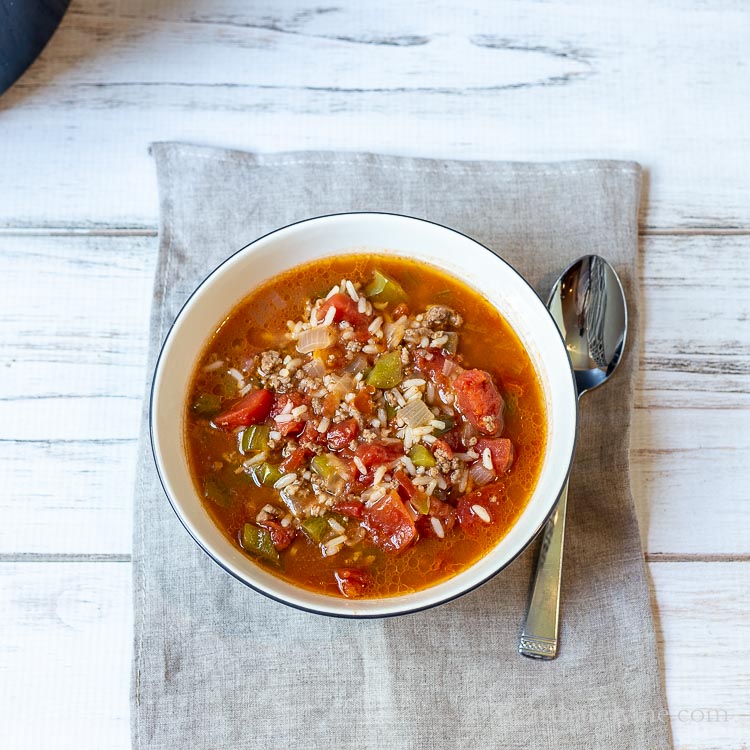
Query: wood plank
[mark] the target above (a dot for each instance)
(67, 636)
(65, 655)
(71, 390)
(663, 83)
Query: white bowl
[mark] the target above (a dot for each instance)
(300, 243)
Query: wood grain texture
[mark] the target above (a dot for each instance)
(664, 83)
(74, 374)
(67, 637)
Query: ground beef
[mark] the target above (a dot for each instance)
(270, 361)
(442, 316)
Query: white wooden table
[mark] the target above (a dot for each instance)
(666, 82)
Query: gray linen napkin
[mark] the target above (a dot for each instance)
(217, 665)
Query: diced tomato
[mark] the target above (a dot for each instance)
(336, 358)
(363, 401)
(453, 440)
(488, 497)
(441, 447)
(352, 582)
(281, 536)
(375, 454)
(252, 409)
(341, 434)
(401, 309)
(350, 508)
(282, 399)
(501, 450)
(478, 400)
(310, 435)
(445, 514)
(294, 460)
(389, 523)
(330, 404)
(346, 309)
(430, 362)
(405, 484)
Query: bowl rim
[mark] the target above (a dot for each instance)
(280, 599)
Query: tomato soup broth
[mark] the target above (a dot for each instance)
(383, 501)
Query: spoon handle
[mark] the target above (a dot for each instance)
(539, 635)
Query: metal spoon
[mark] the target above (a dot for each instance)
(588, 305)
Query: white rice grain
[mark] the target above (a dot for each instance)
(487, 459)
(214, 366)
(274, 435)
(409, 465)
(246, 389)
(324, 424)
(413, 383)
(370, 349)
(334, 545)
(330, 315)
(481, 513)
(375, 325)
(437, 424)
(336, 526)
(283, 418)
(437, 527)
(379, 474)
(429, 439)
(431, 487)
(358, 463)
(258, 458)
(237, 375)
(361, 305)
(373, 494)
(298, 411)
(285, 481)
(352, 291)
(411, 393)
(334, 290)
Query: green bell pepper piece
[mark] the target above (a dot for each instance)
(421, 456)
(254, 439)
(258, 542)
(207, 405)
(387, 372)
(383, 288)
(315, 528)
(216, 491)
(266, 475)
(449, 422)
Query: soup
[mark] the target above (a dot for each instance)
(365, 426)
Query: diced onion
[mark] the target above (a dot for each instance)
(416, 413)
(394, 332)
(449, 367)
(481, 474)
(340, 386)
(315, 368)
(315, 338)
(357, 365)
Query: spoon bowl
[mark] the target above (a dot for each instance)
(588, 305)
